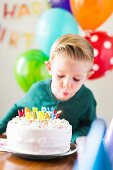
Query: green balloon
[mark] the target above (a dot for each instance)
(30, 68)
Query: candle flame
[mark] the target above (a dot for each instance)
(59, 111)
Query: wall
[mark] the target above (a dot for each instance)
(11, 92)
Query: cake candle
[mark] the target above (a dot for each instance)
(58, 113)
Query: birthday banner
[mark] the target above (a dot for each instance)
(18, 20)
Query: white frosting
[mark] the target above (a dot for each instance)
(39, 137)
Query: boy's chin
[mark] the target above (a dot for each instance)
(63, 98)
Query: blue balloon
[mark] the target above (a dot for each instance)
(60, 4)
(51, 25)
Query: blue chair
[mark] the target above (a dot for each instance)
(94, 156)
(108, 141)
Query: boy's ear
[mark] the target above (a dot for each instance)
(48, 66)
(90, 73)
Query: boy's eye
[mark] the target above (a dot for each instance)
(60, 76)
(76, 79)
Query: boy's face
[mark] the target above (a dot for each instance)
(67, 76)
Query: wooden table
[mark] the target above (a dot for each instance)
(8, 161)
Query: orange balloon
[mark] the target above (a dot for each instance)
(90, 14)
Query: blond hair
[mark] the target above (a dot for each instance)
(74, 47)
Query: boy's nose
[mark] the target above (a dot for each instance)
(67, 82)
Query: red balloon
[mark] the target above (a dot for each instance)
(103, 52)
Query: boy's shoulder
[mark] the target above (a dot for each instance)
(86, 91)
(41, 84)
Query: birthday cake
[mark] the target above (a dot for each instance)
(38, 133)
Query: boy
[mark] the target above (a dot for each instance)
(70, 63)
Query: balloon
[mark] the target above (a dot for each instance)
(51, 25)
(30, 67)
(60, 4)
(91, 14)
(103, 52)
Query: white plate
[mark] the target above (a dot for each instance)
(73, 149)
(3, 147)
(3, 144)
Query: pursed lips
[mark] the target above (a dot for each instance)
(65, 93)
